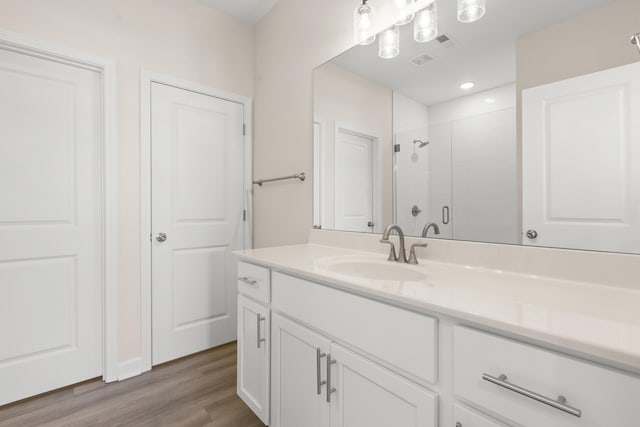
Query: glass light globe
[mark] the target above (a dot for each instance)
(363, 31)
(389, 46)
(405, 11)
(470, 10)
(425, 25)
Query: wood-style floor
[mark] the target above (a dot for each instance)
(198, 390)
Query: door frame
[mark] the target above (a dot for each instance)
(319, 185)
(376, 169)
(31, 46)
(148, 77)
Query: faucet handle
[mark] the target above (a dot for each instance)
(392, 253)
(413, 259)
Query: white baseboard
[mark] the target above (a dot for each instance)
(129, 368)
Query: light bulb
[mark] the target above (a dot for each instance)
(389, 46)
(467, 85)
(404, 11)
(470, 10)
(425, 26)
(363, 24)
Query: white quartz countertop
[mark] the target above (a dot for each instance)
(599, 321)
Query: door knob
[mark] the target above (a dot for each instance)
(161, 237)
(532, 234)
(415, 210)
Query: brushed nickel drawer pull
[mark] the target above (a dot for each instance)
(248, 281)
(559, 403)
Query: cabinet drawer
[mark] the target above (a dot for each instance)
(602, 396)
(254, 281)
(465, 417)
(404, 339)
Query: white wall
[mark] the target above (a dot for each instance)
(177, 37)
(408, 114)
(412, 172)
(293, 39)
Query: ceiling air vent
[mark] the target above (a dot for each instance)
(444, 40)
(421, 59)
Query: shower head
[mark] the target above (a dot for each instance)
(422, 144)
(635, 39)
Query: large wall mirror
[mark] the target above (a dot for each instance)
(540, 147)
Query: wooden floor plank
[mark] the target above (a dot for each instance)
(199, 390)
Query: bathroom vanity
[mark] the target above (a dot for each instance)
(332, 336)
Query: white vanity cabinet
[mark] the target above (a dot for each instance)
(313, 353)
(254, 325)
(532, 386)
(319, 383)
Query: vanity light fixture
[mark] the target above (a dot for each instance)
(470, 10)
(363, 29)
(389, 46)
(425, 26)
(467, 85)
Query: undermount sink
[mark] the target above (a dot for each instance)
(377, 270)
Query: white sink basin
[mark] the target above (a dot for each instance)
(377, 270)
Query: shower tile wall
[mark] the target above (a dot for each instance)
(469, 165)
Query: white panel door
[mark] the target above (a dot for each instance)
(197, 187)
(368, 395)
(253, 356)
(298, 369)
(50, 225)
(353, 181)
(581, 151)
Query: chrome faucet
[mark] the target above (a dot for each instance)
(402, 255)
(425, 230)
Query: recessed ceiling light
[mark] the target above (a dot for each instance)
(490, 100)
(467, 85)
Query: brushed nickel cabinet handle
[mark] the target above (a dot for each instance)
(258, 339)
(248, 281)
(319, 381)
(559, 403)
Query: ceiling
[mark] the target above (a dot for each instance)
(248, 11)
(483, 52)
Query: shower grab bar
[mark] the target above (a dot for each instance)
(301, 176)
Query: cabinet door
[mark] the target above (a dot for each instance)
(367, 394)
(253, 356)
(298, 370)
